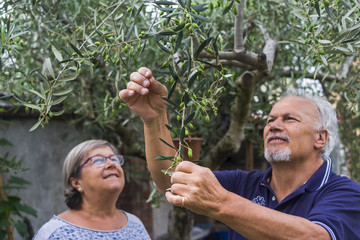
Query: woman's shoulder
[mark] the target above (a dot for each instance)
(48, 228)
(132, 218)
(135, 228)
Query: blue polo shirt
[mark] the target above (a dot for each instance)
(327, 199)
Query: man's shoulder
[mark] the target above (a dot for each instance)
(342, 182)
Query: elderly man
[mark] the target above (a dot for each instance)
(298, 197)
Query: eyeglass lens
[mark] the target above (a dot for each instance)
(101, 160)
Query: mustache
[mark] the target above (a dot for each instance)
(282, 136)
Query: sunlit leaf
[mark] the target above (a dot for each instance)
(36, 125)
(49, 67)
(59, 100)
(201, 18)
(68, 78)
(59, 113)
(37, 93)
(324, 60)
(167, 172)
(342, 49)
(64, 92)
(32, 106)
(56, 53)
(323, 41)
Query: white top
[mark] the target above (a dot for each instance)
(59, 229)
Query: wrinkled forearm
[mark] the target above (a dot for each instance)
(257, 222)
(153, 131)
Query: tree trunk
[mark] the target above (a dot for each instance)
(180, 224)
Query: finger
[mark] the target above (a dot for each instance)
(145, 72)
(126, 94)
(176, 200)
(137, 88)
(186, 167)
(139, 79)
(179, 189)
(179, 177)
(158, 88)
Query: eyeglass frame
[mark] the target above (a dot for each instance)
(120, 156)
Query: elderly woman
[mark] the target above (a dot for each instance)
(94, 180)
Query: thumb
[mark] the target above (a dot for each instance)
(158, 88)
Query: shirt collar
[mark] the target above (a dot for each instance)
(317, 180)
(320, 177)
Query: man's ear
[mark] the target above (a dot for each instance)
(322, 137)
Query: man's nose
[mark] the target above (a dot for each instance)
(276, 125)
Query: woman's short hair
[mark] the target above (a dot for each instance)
(327, 118)
(71, 168)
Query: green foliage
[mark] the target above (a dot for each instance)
(12, 210)
(72, 57)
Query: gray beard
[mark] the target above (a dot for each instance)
(278, 156)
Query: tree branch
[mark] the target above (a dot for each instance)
(244, 57)
(319, 76)
(238, 27)
(269, 50)
(128, 145)
(346, 67)
(231, 63)
(240, 111)
(263, 62)
(288, 72)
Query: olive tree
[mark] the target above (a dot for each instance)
(224, 62)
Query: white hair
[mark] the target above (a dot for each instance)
(327, 118)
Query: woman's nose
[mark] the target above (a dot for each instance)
(109, 163)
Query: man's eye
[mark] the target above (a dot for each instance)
(270, 120)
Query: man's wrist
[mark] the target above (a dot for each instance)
(156, 122)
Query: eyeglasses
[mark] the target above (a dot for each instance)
(100, 161)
